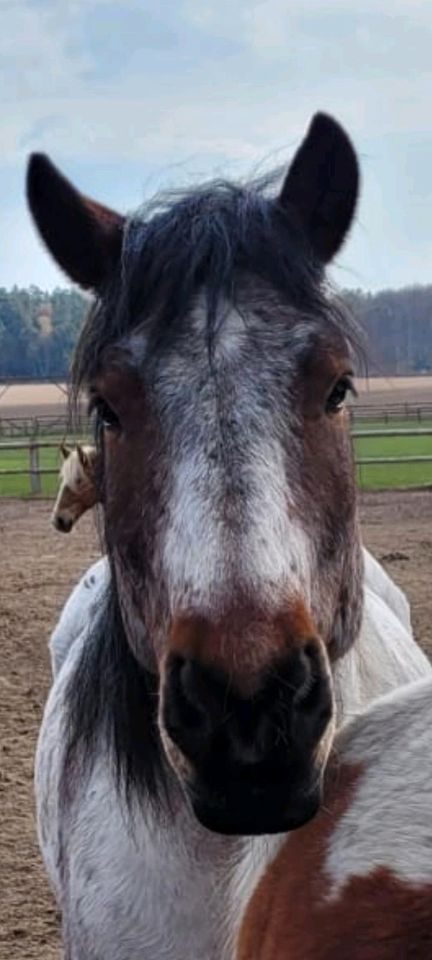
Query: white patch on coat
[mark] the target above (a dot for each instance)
(388, 824)
(384, 656)
(378, 580)
(79, 611)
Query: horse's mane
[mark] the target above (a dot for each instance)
(111, 703)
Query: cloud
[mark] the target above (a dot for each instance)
(146, 80)
(131, 94)
(37, 53)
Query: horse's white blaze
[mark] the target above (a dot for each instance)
(193, 553)
(271, 554)
(231, 336)
(277, 551)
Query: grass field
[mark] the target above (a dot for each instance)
(19, 486)
(370, 476)
(389, 475)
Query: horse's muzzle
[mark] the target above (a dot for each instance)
(251, 764)
(240, 809)
(62, 524)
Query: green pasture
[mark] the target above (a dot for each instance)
(370, 476)
(389, 475)
(19, 486)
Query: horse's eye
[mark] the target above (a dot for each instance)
(106, 416)
(336, 400)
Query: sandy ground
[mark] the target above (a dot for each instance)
(33, 400)
(38, 569)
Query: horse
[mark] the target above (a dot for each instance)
(78, 491)
(190, 721)
(356, 882)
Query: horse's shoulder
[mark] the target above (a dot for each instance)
(378, 580)
(78, 611)
(361, 871)
(387, 821)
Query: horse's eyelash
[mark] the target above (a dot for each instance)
(349, 383)
(93, 404)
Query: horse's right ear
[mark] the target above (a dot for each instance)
(65, 451)
(84, 237)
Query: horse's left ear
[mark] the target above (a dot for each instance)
(82, 456)
(83, 236)
(322, 186)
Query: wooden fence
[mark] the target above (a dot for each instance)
(45, 425)
(391, 412)
(35, 472)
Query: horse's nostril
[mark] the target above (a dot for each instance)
(193, 713)
(309, 690)
(62, 524)
(184, 710)
(221, 729)
(186, 680)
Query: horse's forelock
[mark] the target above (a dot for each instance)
(206, 239)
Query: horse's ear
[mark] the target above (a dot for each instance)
(82, 456)
(65, 451)
(322, 186)
(83, 236)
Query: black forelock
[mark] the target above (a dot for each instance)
(206, 239)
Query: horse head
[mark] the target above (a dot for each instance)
(217, 365)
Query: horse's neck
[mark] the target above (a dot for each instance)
(384, 657)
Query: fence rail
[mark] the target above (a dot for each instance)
(35, 471)
(56, 423)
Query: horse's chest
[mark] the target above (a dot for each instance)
(155, 895)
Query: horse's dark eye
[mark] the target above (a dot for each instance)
(106, 416)
(336, 400)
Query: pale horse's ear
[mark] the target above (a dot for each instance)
(65, 451)
(82, 457)
(322, 186)
(84, 237)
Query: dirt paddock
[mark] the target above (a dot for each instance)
(38, 570)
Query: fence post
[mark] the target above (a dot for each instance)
(35, 479)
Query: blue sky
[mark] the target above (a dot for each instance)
(130, 96)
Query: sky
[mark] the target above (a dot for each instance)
(131, 96)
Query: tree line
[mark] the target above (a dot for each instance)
(38, 330)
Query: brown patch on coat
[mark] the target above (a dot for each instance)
(377, 917)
